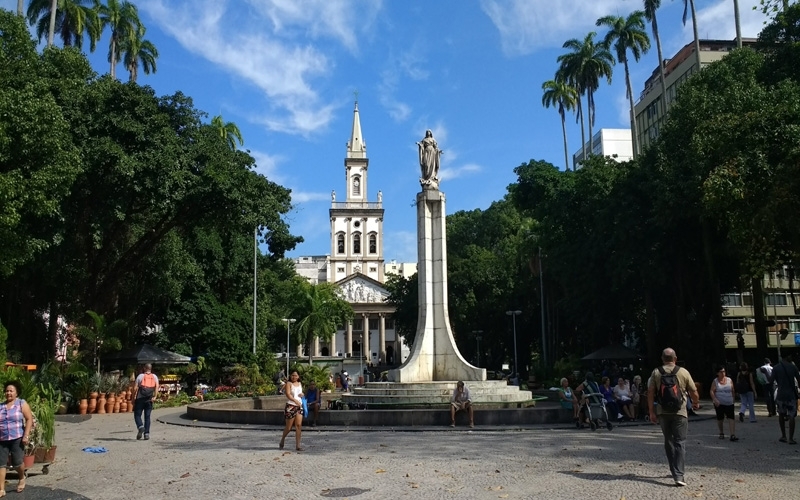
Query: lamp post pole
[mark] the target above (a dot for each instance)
(255, 288)
(288, 321)
(361, 356)
(514, 315)
(477, 334)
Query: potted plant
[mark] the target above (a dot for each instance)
(42, 440)
(80, 389)
(94, 383)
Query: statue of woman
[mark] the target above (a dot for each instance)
(429, 158)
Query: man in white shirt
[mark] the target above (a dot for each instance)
(460, 401)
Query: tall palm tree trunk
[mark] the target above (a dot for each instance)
(52, 31)
(564, 132)
(583, 128)
(20, 7)
(696, 34)
(661, 76)
(634, 125)
(589, 104)
(738, 20)
(113, 70)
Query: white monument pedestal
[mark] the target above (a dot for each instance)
(434, 355)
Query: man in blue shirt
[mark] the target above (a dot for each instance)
(314, 401)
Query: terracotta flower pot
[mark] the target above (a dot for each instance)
(44, 455)
(92, 403)
(101, 403)
(83, 407)
(28, 461)
(110, 400)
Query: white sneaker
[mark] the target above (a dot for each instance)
(680, 482)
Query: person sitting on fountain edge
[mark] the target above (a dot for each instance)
(460, 401)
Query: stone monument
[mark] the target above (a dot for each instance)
(434, 355)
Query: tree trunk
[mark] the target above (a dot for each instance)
(564, 132)
(762, 343)
(583, 128)
(650, 327)
(738, 21)
(661, 76)
(52, 31)
(113, 70)
(634, 125)
(590, 105)
(696, 35)
(20, 7)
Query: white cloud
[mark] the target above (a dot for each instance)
(279, 62)
(409, 64)
(304, 196)
(717, 22)
(528, 25)
(450, 173)
(400, 246)
(267, 165)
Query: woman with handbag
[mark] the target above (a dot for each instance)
(293, 411)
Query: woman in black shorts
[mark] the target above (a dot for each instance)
(723, 395)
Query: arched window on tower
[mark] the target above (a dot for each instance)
(373, 243)
(357, 243)
(340, 243)
(356, 185)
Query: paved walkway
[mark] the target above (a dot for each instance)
(541, 462)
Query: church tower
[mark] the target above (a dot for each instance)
(356, 222)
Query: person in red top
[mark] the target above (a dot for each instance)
(144, 395)
(16, 422)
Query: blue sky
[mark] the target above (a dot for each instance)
(285, 71)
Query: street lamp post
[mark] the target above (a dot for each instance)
(288, 321)
(255, 287)
(514, 315)
(477, 334)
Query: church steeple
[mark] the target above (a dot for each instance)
(356, 148)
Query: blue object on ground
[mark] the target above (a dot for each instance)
(95, 449)
(305, 406)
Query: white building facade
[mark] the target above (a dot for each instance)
(614, 142)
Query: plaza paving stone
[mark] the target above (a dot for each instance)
(431, 463)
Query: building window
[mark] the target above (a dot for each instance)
(373, 323)
(731, 300)
(775, 299)
(373, 243)
(340, 243)
(733, 325)
(356, 185)
(357, 243)
(339, 269)
(373, 269)
(358, 325)
(389, 323)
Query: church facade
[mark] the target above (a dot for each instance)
(356, 265)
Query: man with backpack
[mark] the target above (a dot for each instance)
(144, 395)
(667, 386)
(786, 376)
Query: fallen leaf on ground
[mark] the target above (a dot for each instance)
(739, 480)
(287, 475)
(414, 485)
(379, 471)
(185, 475)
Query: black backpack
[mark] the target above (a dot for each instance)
(669, 393)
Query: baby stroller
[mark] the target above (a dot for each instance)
(593, 408)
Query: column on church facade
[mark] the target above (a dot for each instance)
(348, 339)
(365, 349)
(382, 338)
(315, 348)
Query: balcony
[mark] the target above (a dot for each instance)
(370, 205)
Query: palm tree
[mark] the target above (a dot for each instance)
(627, 34)
(228, 131)
(583, 68)
(321, 310)
(650, 8)
(20, 8)
(687, 5)
(560, 93)
(123, 18)
(135, 50)
(72, 20)
(738, 21)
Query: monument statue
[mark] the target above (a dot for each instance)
(333, 195)
(429, 153)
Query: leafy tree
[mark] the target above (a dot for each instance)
(227, 131)
(404, 296)
(320, 310)
(136, 50)
(101, 337)
(560, 93)
(583, 68)
(628, 34)
(74, 19)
